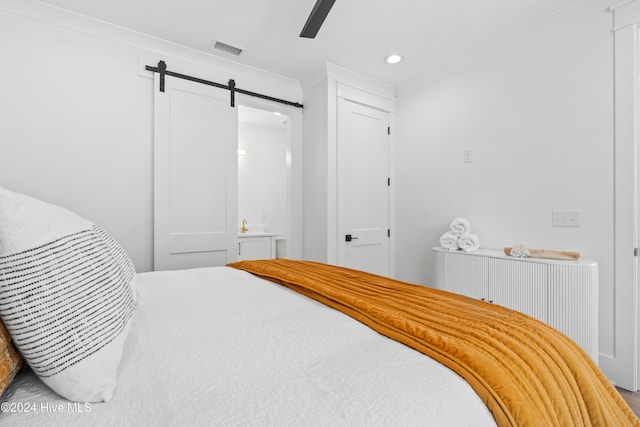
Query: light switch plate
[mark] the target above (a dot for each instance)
(565, 218)
(467, 155)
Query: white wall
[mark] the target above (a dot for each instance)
(76, 110)
(539, 122)
(262, 178)
(315, 172)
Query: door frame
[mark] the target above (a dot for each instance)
(294, 167)
(374, 100)
(345, 107)
(622, 366)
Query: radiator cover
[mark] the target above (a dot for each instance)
(563, 294)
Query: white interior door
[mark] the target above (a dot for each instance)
(195, 176)
(363, 187)
(622, 364)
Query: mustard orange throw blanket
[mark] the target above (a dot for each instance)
(526, 372)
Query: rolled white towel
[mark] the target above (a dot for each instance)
(449, 240)
(469, 242)
(460, 226)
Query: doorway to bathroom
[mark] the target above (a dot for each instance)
(266, 188)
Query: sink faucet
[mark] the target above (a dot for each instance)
(244, 228)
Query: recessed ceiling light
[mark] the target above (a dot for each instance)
(393, 59)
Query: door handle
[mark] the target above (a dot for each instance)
(349, 238)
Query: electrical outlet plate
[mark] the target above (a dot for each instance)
(565, 218)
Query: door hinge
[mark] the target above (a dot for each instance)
(389, 182)
(635, 251)
(388, 232)
(388, 130)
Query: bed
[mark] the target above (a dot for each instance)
(274, 342)
(218, 346)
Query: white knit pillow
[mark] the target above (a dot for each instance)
(67, 296)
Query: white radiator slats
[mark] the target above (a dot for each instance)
(563, 294)
(519, 285)
(466, 275)
(574, 306)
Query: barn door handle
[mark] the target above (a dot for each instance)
(349, 238)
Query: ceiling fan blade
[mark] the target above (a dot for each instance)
(316, 18)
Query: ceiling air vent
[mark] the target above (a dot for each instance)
(226, 48)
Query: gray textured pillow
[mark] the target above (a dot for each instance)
(67, 296)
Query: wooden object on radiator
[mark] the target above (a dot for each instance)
(563, 294)
(549, 254)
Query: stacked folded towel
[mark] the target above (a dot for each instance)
(460, 226)
(449, 240)
(459, 236)
(469, 242)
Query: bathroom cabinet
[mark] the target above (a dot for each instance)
(256, 246)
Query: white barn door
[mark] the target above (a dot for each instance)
(363, 188)
(195, 176)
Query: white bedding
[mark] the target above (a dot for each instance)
(218, 346)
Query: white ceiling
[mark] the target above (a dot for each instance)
(357, 34)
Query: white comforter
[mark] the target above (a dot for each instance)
(217, 346)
